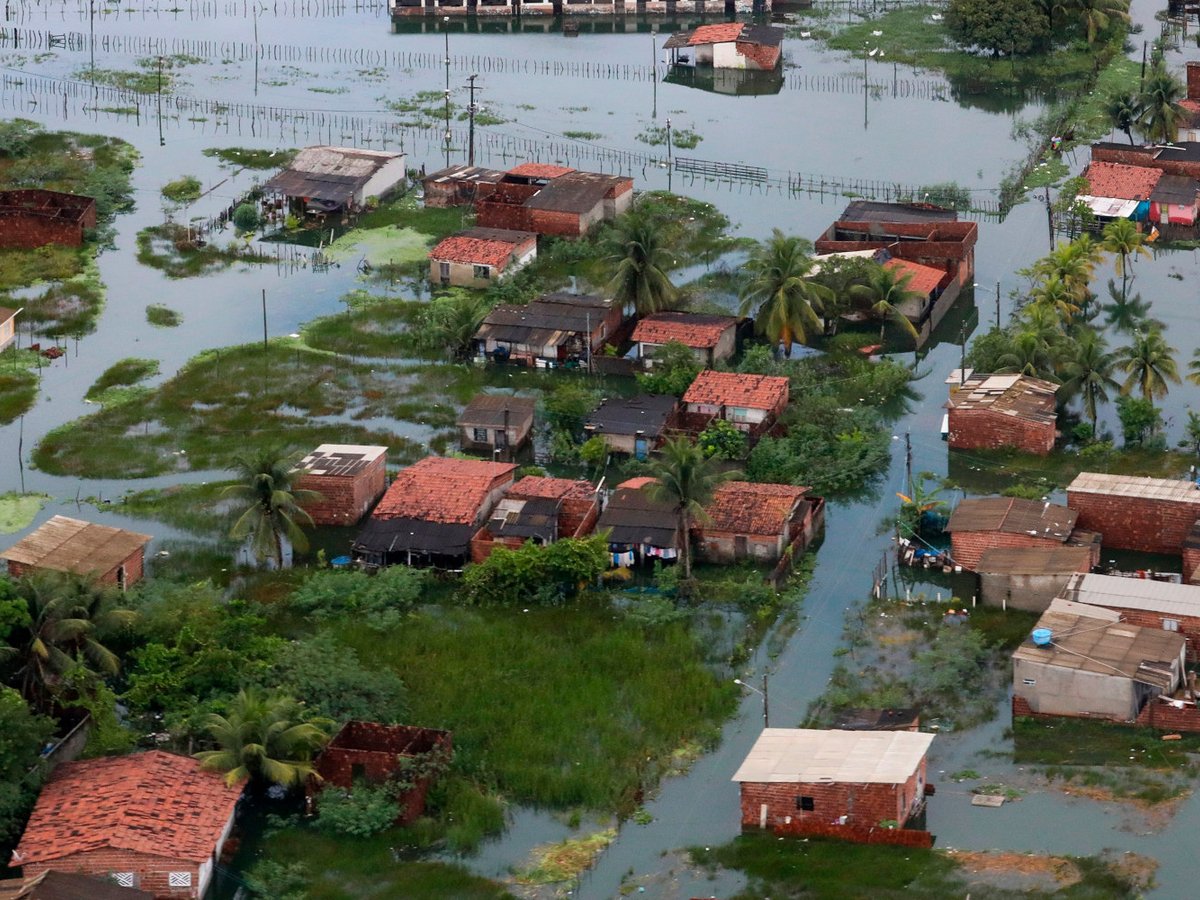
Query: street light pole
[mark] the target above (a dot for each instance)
(763, 693)
(471, 122)
(446, 31)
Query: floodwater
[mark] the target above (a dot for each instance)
(291, 74)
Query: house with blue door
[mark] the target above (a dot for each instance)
(1118, 191)
(636, 426)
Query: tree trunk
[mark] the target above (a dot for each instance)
(685, 545)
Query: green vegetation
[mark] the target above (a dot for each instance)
(200, 509)
(122, 373)
(18, 384)
(243, 158)
(178, 253)
(17, 511)
(163, 316)
(1091, 742)
(583, 135)
(567, 860)
(72, 306)
(154, 74)
(183, 190)
(681, 138)
(536, 574)
(371, 326)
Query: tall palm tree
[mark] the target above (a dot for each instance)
(272, 505)
(1088, 372)
(264, 738)
(1073, 263)
(1194, 367)
(1124, 112)
(779, 284)
(448, 323)
(1030, 355)
(1097, 15)
(886, 290)
(1122, 239)
(638, 258)
(686, 480)
(1149, 363)
(1056, 295)
(1160, 106)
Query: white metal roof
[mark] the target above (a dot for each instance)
(809, 755)
(1114, 591)
(1136, 486)
(1109, 207)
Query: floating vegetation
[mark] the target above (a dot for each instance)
(244, 158)
(183, 190)
(162, 316)
(681, 138)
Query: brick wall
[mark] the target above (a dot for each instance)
(967, 547)
(577, 516)
(152, 872)
(563, 224)
(1191, 565)
(344, 498)
(1156, 714)
(982, 429)
(863, 805)
(134, 569)
(1138, 156)
(900, 837)
(27, 230)
(1132, 523)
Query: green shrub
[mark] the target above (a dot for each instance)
(183, 190)
(723, 440)
(361, 812)
(379, 601)
(245, 217)
(533, 574)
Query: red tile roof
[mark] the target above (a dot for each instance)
(715, 34)
(539, 170)
(539, 487)
(735, 389)
(441, 489)
(923, 279)
(638, 483)
(764, 56)
(474, 251)
(746, 508)
(1121, 182)
(696, 331)
(156, 803)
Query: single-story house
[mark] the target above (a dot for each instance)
(336, 179)
(35, 217)
(1143, 601)
(52, 885)
(155, 821)
(431, 511)
(1083, 661)
(751, 402)
(858, 779)
(730, 45)
(496, 423)
(552, 200)
(1118, 191)
(1154, 515)
(8, 325)
(558, 329)
(634, 425)
(538, 509)
(1029, 577)
(457, 185)
(926, 284)
(349, 478)
(374, 753)
(982, 523)
(479, 256)
(1180, 158)
(1174, 201)
(712, 339)
(639, 527)
(987, 412)
(1189, 120)
(112, 555)
(759, 521)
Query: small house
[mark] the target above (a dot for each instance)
(1029, 577)
(853, 779)
(155, 821)
(8, 326)
(730, 45)
(538, 509)
(759, 522)
(982, 523)
(640, 528)
(330, 180)
(112, 555)
(1179, 158)
(457, 185)
(479, 256)
(633, 425)
(1143, 601)
(712, 339)
(751, 402)
(1084, 661)
(498, 424)
(1154, 515)
(349, 478)
(1118, 191)
(988, 412)
(52, 885)
(554, 330)
(431, 511)
(552, 200)
(373, 753)
(34, 217)
(1174, 201)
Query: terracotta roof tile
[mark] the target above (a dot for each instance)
(537, 487)
(696, 331)
(1121, 182)
(443, 490)
(716, 34)
(539, 170)
(766, 58)
(636, 484)
(736, 389)
(924, 279)
(747, 508)
(156, 803)
(480, 251)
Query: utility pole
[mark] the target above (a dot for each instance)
(1144, 45)
(766, 710)
(264, 306)
(997, 306)
(654, 69)
(962, 365)
(471, 120)
(446, 30)
(668, 143)
(908, 460)
(161, 142)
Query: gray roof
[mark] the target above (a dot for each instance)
(332, 174)
(576, 192)
(53, 885)
(874, 211)
(1116, 592)
(647, 414)
(1178, 489)
(487, 410)
(549, 320)
(535, 518)
(1177, 189)
(1034, 560)
(631, 517)
(1012, 515)
(810, 755)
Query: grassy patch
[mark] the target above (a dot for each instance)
(371, 326)
(17, 511)
(173, 250)
(407, 212)
(121, 373)
(73, 305)
(18, 385)
(1003, 629)
(183, 190)
(244, 158)
(196, 508)
(566, 860)
(1087, 742)
(153, 74)
(163, 316)
(681, 138)
(583, 135)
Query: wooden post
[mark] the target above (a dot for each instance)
(264, 309)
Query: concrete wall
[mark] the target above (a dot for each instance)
(967, 547)
(1028, 592)
(725, 56)
(344, 498)
(518, 433)
(984, 429)
(1069, 692)
(861, 804)
(7, 332)
(1132, 523)
(389, 179)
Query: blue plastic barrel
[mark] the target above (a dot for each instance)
(1042, 636)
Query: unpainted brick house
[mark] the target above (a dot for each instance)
(539, 509)
(979, 524)
(51, 885)
(759, 522)
(111, 555)
(987, 412)
(33, 217)
(1143, 601)
(349, 478)
(1154, 515)
(552, 200)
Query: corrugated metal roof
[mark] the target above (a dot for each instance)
(1178, 489)
(1116, 592)
(340, 459)
(488, 410)
(1013, 515)
(1033, 560)
(632, 517)
(646, 414)
(329, 173)
(1018, 396)
(809, 755)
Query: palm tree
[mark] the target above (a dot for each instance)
(264, 738)
(686, 480)
(1098, 15)
(272, 506)
(1088, 371)
(886, 290)
(1124, 112)
(1030, 355)
(780, 284)
(1160, 106)
(1194, 367)
(448, 323)
(1073, 264)
(1122, 239)
(638, 258)
(1149, 363)
(1055, 295)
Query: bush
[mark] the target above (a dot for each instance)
(333, 683)
(723, 440)
(361, 812)
(1140, 419)
(999, 26)
(675, 368)
(279, 881)
(534, 574)
(185, 190)
(245, 217)
(379, 601)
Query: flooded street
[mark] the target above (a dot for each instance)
(324, 73)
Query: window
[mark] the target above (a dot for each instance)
(179, 879)
(1170, 624)
(805, 804)
(125, 879)
(483, 273)
(1030, 681)
(739, 413)
(479, 435)
(444, 272)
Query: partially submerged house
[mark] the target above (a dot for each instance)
(634, 425)
(538, 509)
(431, 511)
(1083, 661)
(154, 820)
(8, 326)
(371, 753)
(478, 257)
(987, 412)
(1029, 578)
(752, 403)
(712, 339)
(1154, 515)
(729, 45)
(746, 520)
(552, 200)
(854, 779)
(979, 524)
(1143, 601)
(557, 329)
(1175, 200)
(1118, 191)
(111, 555)
(52, 885)
(640, 529)
(349, 478)
(35, 217)
(457, 185)
(333, 180)
(924, 284)
(497, 424)
(1179, 158)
